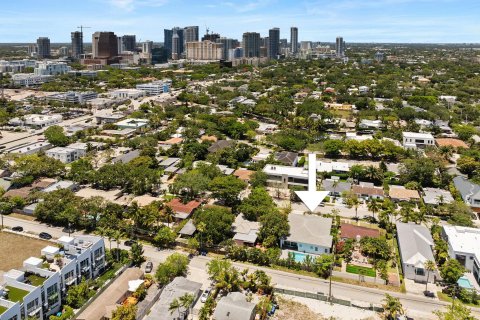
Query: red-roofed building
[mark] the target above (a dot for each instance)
(183, 210)
(351, 231)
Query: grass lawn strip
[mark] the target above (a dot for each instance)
(361, 270)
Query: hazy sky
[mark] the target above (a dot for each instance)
(317, 20)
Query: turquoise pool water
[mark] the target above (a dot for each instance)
(463, 283)
(299, 257)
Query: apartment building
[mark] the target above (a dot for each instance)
(74, 97)
(40, 287)
(65, 154)
(50, 68)
(156, 87)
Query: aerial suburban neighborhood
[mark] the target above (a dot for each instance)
(261, 178)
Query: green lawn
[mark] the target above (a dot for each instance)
(15, 294)
(35, 280)
(2, 309)
(361, 270)
(445, 297)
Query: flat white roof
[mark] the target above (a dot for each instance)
(297, 172)
(50, 249)
(463, 239)
(417, 135)
(33, 261)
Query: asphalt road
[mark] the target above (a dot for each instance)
(418, 306)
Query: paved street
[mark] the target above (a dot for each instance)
(416, 305)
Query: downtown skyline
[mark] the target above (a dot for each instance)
(366, 21)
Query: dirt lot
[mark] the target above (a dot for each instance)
(292, 310)
(14, 249)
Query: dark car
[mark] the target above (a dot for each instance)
(17, 228)
(44, 235)
(429, 294)
(149, 267)
(129, 243)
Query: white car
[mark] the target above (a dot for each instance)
(205, 295)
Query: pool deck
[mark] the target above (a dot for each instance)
(472, 280)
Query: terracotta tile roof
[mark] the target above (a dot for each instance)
(450, 142)
(243, 174)
(351, 231)
(182, 210)
(370, 191)
(401, 193)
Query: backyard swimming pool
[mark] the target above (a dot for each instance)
(463, 282)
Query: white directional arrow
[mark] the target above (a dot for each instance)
(312, 198)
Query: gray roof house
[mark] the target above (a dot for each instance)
(435, 196)
(175, 289)
(328, 185)
(127, 157)
(245, 231)
(309, 234)
(470, 191)
(234, 306)
(220, 145)
(415, 245)
(287, 158)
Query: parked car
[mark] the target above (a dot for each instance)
(429, 294)
(17, 228)
(130, 242)
(44, 235)
(205, 295)
(149, 267)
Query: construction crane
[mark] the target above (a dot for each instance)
(82, 27)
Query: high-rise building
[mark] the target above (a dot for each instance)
(293, 40)
(190, 34)
(147, 46)
(236, 53)
(211, 37)
(204, 50)
(251, 44)
(167, 41)
(43, 47)
(104, 45)
(176, 52)
(340, 47)
(273, 43)
(228, 44)
(77, 44)
(180, 44)
(129, 43)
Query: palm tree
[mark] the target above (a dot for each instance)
(168, 215)
(334, 186)
(201, 228)
(373, 206)
(186, 301)
(430, 266)
(117, 235)
(392, 307)
(175, 305)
